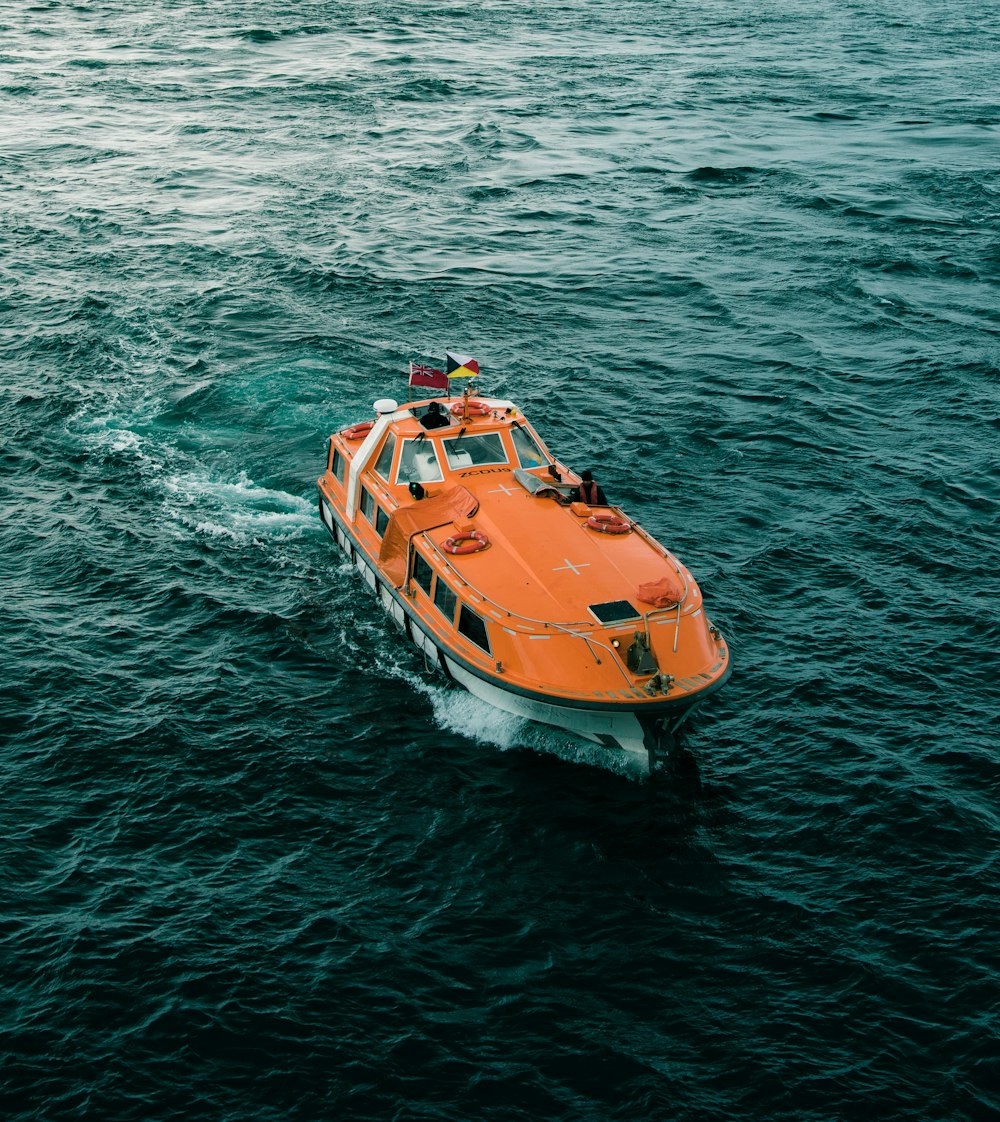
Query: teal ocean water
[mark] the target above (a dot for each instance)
(741, 260)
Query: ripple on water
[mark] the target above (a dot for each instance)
(260, 865)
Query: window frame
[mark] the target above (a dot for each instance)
(471, 439)
(444, 591)
(519, 432)
(338, 464)
(466, 613)
(390, 446)
(367, 504)
(419, 560)
(404, 455)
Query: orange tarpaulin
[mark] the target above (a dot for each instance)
(663, 592)
(456, 503)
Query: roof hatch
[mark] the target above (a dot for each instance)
(614, 611)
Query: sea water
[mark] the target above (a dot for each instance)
(739, 259)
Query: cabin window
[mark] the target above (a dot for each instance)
(472, 450)
(337, 467)
(473, 627)
(419, 463)
(445, 600)
(526, 447)
(373, 512)
(383, 465)
(423, 574)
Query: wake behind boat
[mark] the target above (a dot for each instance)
(561, 611)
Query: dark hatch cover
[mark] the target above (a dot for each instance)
(614, 611)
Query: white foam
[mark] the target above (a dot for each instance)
(238, 508)
(458, 711)
(198, 500)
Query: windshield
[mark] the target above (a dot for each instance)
(469, 451)
(418, 462)
(527, 450)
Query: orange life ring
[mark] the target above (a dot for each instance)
(356, 432)
(608, 524)
(476, 408)
(471, 542)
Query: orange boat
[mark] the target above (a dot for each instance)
(462, 522)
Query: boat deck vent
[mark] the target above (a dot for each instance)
(614, 611)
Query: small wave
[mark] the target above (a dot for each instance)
(204, 503)
(266, 35)
(828, 115)
(240, 510)
(458, 711)
(487, 193)
(724, 176)
(260, 35)
(423, 88)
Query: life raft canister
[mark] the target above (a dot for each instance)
(472, 541)
(356, 432)
(608, 524)
(476, 408)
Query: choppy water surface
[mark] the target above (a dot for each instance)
(741, 259)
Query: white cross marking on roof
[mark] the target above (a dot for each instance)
(569, 565)
(506, 490)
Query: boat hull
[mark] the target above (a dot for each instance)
(642, 736)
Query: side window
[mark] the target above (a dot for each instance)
(473, 628)
(384, 461)
(445, 600)
(423, 574)
(338, 465)
(528, 452)
(373, 512)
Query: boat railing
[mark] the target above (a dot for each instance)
(530, 624)
(575, 630)
(591, 644)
